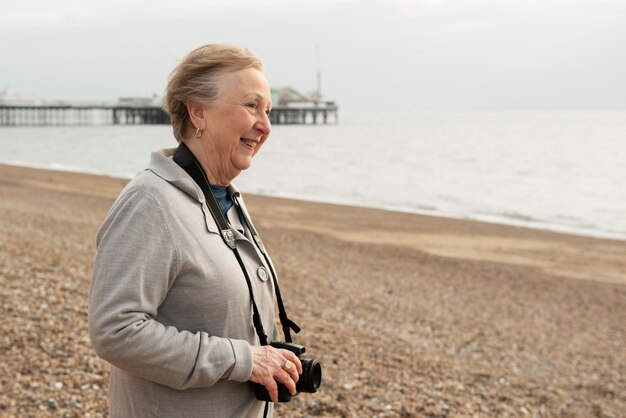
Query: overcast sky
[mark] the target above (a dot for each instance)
(375, 55)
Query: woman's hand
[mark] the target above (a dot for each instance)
(268, 366)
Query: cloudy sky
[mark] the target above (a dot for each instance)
(377, 55)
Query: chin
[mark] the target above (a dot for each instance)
(243, 165)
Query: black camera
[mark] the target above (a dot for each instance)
(309, 381)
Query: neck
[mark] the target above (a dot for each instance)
(213, 174)
(210, 164)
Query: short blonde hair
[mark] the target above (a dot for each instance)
(195, 78)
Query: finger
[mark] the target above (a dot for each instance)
(295, 376)
(286, 379)
(298, 364)
(272, 390)
(293, 371)
(294, 359)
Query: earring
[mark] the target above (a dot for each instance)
(198, 133)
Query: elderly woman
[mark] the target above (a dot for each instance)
(182, 295)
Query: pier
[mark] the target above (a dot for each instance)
(115, 114)
(81, 115)
(288, 115)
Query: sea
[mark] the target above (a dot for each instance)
(560, 171)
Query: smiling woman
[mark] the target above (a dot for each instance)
(170, 306)
(232, 129)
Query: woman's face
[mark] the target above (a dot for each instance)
(237, 123)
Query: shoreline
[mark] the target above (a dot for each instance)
(463, 238)
(409, 315)
(490, 219)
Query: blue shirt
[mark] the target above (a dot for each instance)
(223, 198)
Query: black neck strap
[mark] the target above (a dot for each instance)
(186, 160)
(285, 322)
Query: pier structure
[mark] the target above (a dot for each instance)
(80, 115)
(292, 107)
(88, 115)
(305, 115)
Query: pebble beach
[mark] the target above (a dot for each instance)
(409, 315)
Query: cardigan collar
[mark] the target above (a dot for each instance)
(162, 164)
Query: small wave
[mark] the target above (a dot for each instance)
(520, 217)
(66, 168)
(525, 221)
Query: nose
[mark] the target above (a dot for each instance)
(263, 124)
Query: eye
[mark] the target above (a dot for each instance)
(252, 106)
(268, 111)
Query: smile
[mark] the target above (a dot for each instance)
(249, 142)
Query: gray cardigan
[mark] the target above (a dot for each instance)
(169, 307)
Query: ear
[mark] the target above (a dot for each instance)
(196, 115)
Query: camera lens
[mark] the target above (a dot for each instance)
(311, 377)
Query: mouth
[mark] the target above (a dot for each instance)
(250, 143)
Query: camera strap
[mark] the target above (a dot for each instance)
(188, 162)
(285, 322)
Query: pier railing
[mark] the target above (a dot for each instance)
(304, 115)
(80, 115)
(87, 115)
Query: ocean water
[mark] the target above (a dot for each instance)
(557, 171)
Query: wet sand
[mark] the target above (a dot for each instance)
(409, 315)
